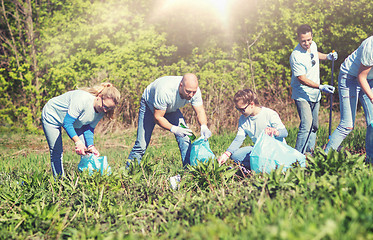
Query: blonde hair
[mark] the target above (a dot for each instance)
(246, 96)
(105, 90)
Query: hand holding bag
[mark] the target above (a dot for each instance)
(269, 154)
(200, 151)
(92, 163)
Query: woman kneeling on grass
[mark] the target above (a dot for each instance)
(77, 111)
(253, 121)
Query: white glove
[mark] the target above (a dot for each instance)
(332, 55)
(93, 150)
(205, 132)
(181, 132)
(327, 88)
(80, 147)
(224, 157)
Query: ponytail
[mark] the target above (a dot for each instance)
(105, 90)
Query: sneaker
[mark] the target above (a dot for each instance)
(175, 181)
(242, 171)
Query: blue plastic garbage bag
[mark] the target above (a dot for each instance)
(200, 151)
(269, 154)
(93, 163)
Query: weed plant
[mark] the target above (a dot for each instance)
(329, 199)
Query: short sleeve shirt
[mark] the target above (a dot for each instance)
(163, 94)
(305, 63)
(362, 55)
(79, 105)
(252, 126)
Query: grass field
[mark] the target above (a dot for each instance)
(330, 199)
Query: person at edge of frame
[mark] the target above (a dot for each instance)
(306, 87)
(78, 112)
(160, 105)
(356, 74)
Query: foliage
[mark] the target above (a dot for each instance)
(101, 41)
(330, 199)
(49, 47)
(19, 83)
(209, 175)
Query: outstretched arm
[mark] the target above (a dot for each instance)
(164, 123)
(201, 114)
(161, 120)
(202, 119)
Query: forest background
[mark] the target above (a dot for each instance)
(51, 46)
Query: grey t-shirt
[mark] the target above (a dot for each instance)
(163, 94)
(79, 105)
(362, 55)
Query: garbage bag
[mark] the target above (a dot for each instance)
(92, 163)
(200, 151)
(269, 154)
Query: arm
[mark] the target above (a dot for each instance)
(322, 56)
(68, 122)
(281, 133)
(325, 88)
(88, 134)
(362, 79)
(201, 114)
(236, 144)
(164, 123)
(202, 119)
(330, 56)
(161, 120)
(305, 81)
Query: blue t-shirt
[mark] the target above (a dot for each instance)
(252, 126)
(79, 105)
(305, 63)
(362, 55)
(163, 94)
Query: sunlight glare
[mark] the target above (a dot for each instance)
(217, 7)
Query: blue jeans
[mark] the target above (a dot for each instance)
(54, 139)
(309, 123)
(242, 156)
(349, 93)
(145, 128)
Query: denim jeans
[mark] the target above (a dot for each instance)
(54, 139)
(309, 123)
(145, 128)
(349, 93)
(242, 156)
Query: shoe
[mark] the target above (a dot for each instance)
(175, 181)
(242, 171)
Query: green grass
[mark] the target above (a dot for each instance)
(330, 199)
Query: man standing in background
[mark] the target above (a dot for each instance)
(160, 105)
(306, 87)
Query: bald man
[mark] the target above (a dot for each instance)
(160, 105)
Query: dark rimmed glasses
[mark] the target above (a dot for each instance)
(243, 109)
(313, 61)
(106, 108)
